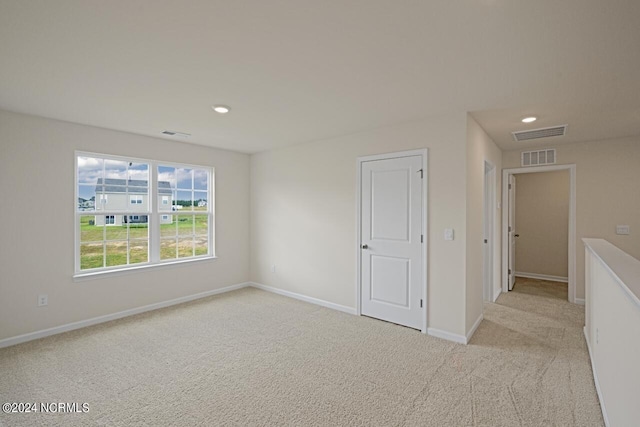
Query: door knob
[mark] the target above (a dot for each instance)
(516, 235)
(365, 246)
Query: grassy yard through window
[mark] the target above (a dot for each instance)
(106, 245)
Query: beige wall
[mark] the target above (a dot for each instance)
(480, 148)
(542, 221)
(37, 227)
(303, 214)
(607, 193)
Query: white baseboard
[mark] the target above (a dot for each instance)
(474, 327)
(305, 298)
(595, 379)
(542, 277)
(460, 339)
(119, 315)
(438, 333)
(496, 294)
(579, 301)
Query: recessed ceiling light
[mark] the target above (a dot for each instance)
(529, 119)
(222, 109)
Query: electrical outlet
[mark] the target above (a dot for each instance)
(273, 268)
(597, 336)
(448, 234)
(43, 299)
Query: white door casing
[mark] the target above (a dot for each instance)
(392, 240)
(512, 232)
(488, 227)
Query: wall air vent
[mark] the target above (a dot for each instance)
(174, 133)
(538, 158)
(526, 135)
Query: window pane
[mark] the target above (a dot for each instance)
(185, 247)
(201, 224)
(165, 200)
(117, 231)
(113, 195)
(201, 245)
(184, 201)
(89, 231)
(168, 229)
(185, 225)
(138, 251)
(200, 179)
(115, 169)
(138, 174)
(200, 201)
(167, 175)
(89, 170)
(116, 253)
(102, 199)
(91, 256)
(185, 178)
(167, 248)
(86, 197)
(138, 202)
(139, 230)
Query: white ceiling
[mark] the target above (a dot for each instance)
(295, 71)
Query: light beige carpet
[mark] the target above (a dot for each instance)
(254, 358)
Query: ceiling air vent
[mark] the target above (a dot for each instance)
(526, 135)
(538, 158)
(174, 133)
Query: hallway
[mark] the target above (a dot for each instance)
(536, 337)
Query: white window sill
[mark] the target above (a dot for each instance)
(81, 277)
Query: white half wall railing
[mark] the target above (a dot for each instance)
(612, 329)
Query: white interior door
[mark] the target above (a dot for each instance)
(512, 231)
(391, 240)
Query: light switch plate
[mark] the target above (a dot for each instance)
(622, 229)
(448, 234)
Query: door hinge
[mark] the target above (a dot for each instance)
(486, 241)
(509, 271)
(421, 173)
(420, 303)
(422, 238)
(509, 186)
(509, 228)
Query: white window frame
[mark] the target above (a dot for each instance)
(154, 217)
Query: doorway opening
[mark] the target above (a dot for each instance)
(511, 233)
